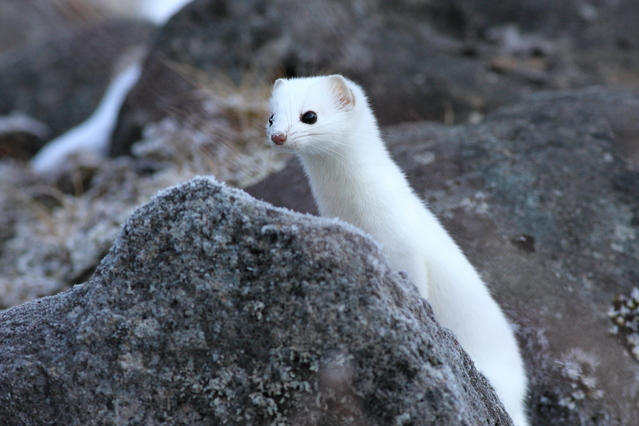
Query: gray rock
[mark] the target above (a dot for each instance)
(444, 60)
(212, 308)
(543, 199)
(27, 22)
(21, 136)
(61, 81)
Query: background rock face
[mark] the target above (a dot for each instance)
(214, 309)
(444, 60)
(24, 22)
(61, 81)
(543, 199)
(21, 136)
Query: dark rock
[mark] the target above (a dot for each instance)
(444, 60)
(21, 136)
(524, 242)
(27, 22)
(62, 81)
(288, 188)
(212, 308)
(542, 197)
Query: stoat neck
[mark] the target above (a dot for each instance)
(360, 177)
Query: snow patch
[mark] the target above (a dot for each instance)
(92, 135)
(160, 11)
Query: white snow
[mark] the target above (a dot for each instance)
(94, 133)
(159, 11)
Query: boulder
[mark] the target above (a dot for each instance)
(543, 199)
(444, 60)
(28, 22)
(61, 81)
(21, 136)
(213, 308)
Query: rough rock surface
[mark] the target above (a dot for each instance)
(444, 60)
(543, 197)
(61, 81)
(213, 308)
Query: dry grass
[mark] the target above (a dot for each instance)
(56, 229)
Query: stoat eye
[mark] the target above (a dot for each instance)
(270, 120)
(309, 117)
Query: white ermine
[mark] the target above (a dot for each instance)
(329, 124)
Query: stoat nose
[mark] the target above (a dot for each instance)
(278, 138)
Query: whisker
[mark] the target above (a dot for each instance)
(268, 164)
(335, 138)
(308, 89)
(325, 149)
(290, 108)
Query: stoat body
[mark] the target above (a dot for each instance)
(329, 124)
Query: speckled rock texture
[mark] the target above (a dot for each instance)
(543, 197)
(213, 308)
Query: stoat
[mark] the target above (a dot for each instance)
(328, 123)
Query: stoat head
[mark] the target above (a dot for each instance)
(312, 115)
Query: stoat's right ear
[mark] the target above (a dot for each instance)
(344, 96)
(278, 83)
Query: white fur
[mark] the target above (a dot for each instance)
(353, 177)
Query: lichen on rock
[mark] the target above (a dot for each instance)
(624, 314)
(214, 308)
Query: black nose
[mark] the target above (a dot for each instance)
(278, 138)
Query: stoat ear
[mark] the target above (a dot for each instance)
(343, 95)
(278, 83)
